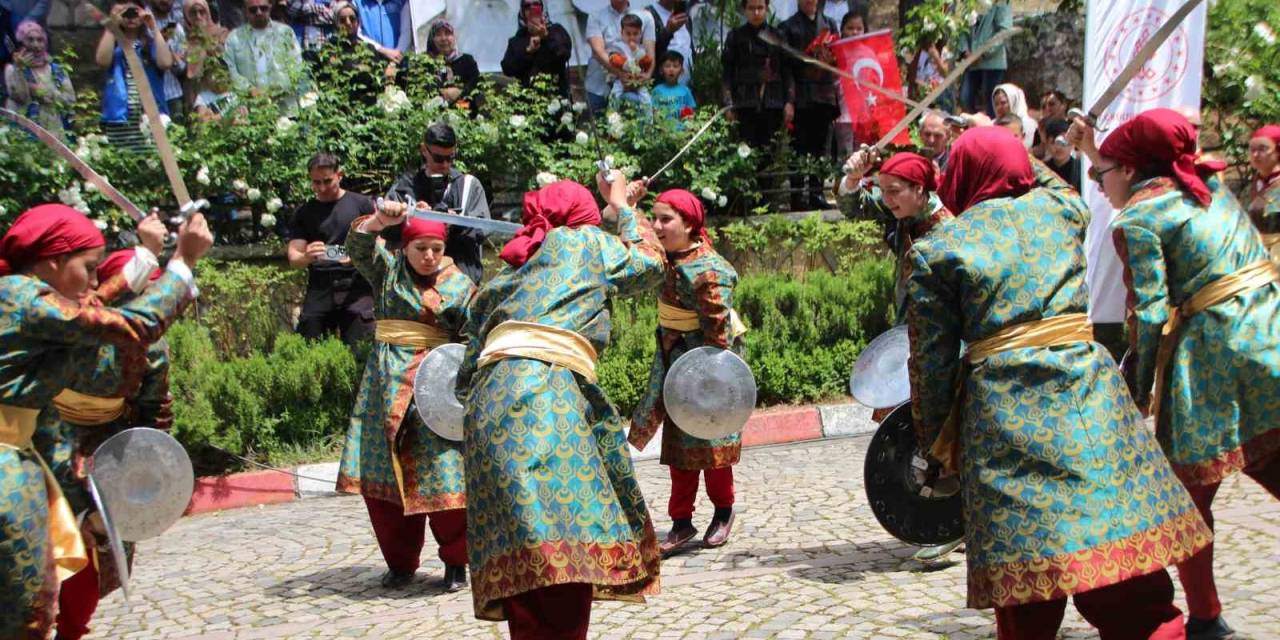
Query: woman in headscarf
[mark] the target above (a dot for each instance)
(408, 474)
(1204, 320)
(36, 86)
(539, 46)
(1008, 99)
(201, 43)
(459, 74)
(1009, 389)
(1263, 199)
(695, 309)
(47, 264)
(348, 62)
(556, 515)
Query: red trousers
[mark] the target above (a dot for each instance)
(77, 600)
(400, 536)
(1137, 608)
(1196, 573)
(684, 490)
(562, 612)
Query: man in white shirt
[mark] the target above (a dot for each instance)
(604, 31)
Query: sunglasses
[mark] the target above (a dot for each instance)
(347, 20)
(1096, 174)
(258, 9)
(440, 157)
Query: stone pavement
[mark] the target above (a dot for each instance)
(807, 560)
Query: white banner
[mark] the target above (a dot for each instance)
(1114, 31)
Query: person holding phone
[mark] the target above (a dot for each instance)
(36, 86)
(539, 46)
(121, 102)
(674, 32)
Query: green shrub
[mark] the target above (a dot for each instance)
(246, 306)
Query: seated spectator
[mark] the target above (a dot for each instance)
(1062, 157)
(631, 56)
(36, 86)
(312, 21)
(671, 100)
(201, 45)
(538, 47)
(263, 56)
(854, 23)
(169, 19)
(604, 34)
(1009, 99)
(349, 63)
(460, 74)
(387, 24)
(121, 105)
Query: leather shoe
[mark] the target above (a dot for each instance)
(455, 578)
(718, 532)
(676, 538)
(396, 580)
(1215, 629)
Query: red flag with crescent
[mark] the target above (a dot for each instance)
(872, 60)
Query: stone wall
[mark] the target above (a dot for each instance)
(1048, 55)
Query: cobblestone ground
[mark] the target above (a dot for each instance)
(807, 561)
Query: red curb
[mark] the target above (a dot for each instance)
(786, 424)
(240, 490)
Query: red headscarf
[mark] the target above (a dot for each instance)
(912, 168)
(415, 228)
(985, 163)
(115, 262)
(564, 203)
(1271, 131)
(46, 231)
(1159, 136)
(690, 209)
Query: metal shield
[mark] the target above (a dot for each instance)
(113, 536)
(896, 480)
(433, 391)
(144, 476)
(709, 392)
(879, 378)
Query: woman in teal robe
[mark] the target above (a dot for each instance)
(1262, 200)
(407, 473)
(557, 516)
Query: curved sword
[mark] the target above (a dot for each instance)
(649, 180)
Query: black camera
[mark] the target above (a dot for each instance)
(681, 6)
(334, 252)
(130, 13)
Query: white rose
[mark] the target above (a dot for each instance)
(89, 186)
(1263, 30)
(274, 204)
(553, 107)
(722, 200)
(1252, 88)
(582, 137)
(436, 103)
(517, 120)
(239, 185)
(613, 118)
(544, 178)
(284, 124)
(579, 107)
(566, 119)
(202, 176)
(616, 130)
(308, 100)
(708, 194)
(267, 220)
(744, 151)
(253, 195)
(165, 121)
(928, 25)
(608, 160)
(102, 226)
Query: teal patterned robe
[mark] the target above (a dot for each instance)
(384, 411)
(699, 280)
(1263, 203)
(554, 497)
(1064, 489)
(45, 340)
(1221, 404)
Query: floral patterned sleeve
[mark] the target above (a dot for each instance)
(714, 301)
(934, 323)
(1147, 301)
(371, 259)
(56, 319)
(634, 261)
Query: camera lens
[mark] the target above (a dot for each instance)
(130, 13)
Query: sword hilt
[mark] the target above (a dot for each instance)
(603, 166)
(1087, 117)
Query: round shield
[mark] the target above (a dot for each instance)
(899, 488)
(144, 476)
(879, 378)
(709, 392)
(433, 391)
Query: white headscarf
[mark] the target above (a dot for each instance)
(1018, 107)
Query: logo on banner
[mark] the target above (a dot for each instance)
(1162, 73)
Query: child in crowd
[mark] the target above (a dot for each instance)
(633, 60)
(853, 24)
(672, 100)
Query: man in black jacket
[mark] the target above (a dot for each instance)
(538, 47)
(444, 188)
(813, 105)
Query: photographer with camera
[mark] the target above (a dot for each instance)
(339, 300)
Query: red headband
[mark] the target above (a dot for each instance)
(690, 209)
(46, 231)
(564, 203)
(415, 228)
(985, 163)
(1271, 131)
(1159, 136)
(912, 168)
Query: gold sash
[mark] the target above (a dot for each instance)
(69, 555)
(515, 339)
(1065, 329)
(681, 319)
(409, 333)
(84, 410)
(1229, 286)
(1272, 242)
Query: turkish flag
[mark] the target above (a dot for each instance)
(871, 59)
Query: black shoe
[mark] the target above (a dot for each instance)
(455, 578)
(1215, 629)
(396, 580)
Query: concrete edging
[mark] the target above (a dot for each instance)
(774, 425)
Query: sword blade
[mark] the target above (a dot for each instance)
(1144, 55)
(687, 146)
(113, 537)
(488, 225)
(774, 40)
(92, 177)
